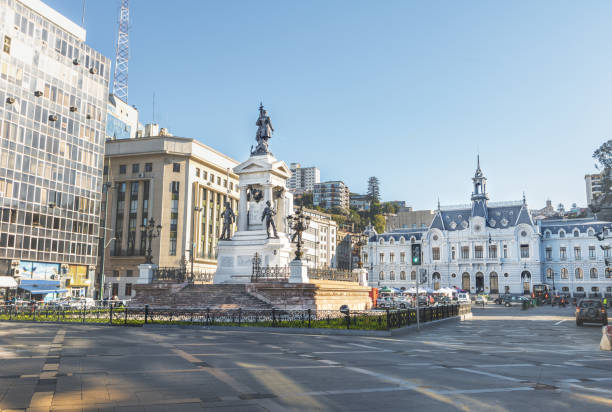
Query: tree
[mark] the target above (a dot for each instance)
(373, 189)
(306, 200)
(603, 202)
(379, 223)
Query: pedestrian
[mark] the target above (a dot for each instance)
(605, 302)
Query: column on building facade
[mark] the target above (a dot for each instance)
(243, 210)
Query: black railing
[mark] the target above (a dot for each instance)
(332, 274)
(270, 274)
(181, 275)
(114, 314)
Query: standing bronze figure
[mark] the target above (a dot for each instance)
(268, 214)
(228, 220)
(264, 132)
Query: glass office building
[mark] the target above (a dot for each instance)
(53, 103)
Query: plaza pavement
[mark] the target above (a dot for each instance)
(504, 359)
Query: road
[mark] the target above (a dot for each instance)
(504, 359)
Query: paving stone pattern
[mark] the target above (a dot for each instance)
(502, 359)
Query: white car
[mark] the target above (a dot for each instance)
(463, 297)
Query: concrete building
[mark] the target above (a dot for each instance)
(121, 119)
(53, 91)
(359, 202)
(320, 240)
(303, 179)
(593, 183)
(406, 218)
(179, 182)
(331, 194)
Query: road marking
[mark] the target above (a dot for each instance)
(509, 365)
(329, 362)
(363, 346)
(560, 322)
(493, 375)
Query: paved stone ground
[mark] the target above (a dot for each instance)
(504, 359)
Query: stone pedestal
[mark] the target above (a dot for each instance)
(362, 275)
(299, 271)
(145, 273)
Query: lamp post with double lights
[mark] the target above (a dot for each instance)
(299, 223)
(150, 231)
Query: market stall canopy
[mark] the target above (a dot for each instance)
(8, 282)
(386, 290)
(41, 286)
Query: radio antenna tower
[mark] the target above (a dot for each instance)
(120, 82)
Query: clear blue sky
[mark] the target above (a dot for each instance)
(403, 90)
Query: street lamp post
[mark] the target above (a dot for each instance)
(361, 242)
(150, 231)
(299, 223)
(105, 188)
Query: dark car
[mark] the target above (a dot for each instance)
(514, 300)
(591, 311)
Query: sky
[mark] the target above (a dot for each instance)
(408, 91)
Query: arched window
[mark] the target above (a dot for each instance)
(381, 275)
(565, 289)
(578, 273)
(392, 275)
(564, 274)
(391, 241)
(547, 234)
(579, 289)
(413, 275)
(576, 233)
(549, 273)
(591, 232)
(402, 275)
(412, 239)
(402, 240)
(562, 233)
(382, 241)
(493, 282)
(465, 281)
(593, 273)
(594, 289)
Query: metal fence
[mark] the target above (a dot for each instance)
(332, 274)
(181, 275)
(270, 273)
(112, 314)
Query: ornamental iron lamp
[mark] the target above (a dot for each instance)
(150, 231)
(361, 242)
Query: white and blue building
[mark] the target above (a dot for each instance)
(494, 248)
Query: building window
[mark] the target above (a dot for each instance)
(478, 252)
(607, 252)
(453, 253)
(505, 251)
(115, 290)
(133, 212)
(121, 188)
(547, 234)
(564, 274)
(144, 216)
(549, 273)
(578, 273)
(129, 273)
(576, 233)
(524, 251)
(135, 168)
(493, 252)
(174, 217)
(591, 252)
(413, 275)
(392, 275)
(402, 257)
(382, 258)
(435, 253)
(548, 253)
(176, 167)
(391, 257)
(577, 253)
(197, 172)
(122, 169)
(148, 167)
(381, 276)
(593, 273)
(563, 253)
(608, 273)
(128, 289)
(561, 233)
(402, 275)
(7, 44)
(465, 252)
(105, 170)
(365, 256)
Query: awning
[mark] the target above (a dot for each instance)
(8, 282)
(41, 286)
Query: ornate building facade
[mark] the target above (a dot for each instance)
(493, 248)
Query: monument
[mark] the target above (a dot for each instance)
(263, 211)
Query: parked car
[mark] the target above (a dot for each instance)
(481, 300)
(591, 311)
(463, 297)
(514, 300)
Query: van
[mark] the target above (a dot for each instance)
(463, 297)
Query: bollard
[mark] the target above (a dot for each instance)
(309, 317)
(524, 305)
(146, 314)
(606, 338)
(110, 317)
(126, 316)
(388, 320)
(239, 315)
(273, 317)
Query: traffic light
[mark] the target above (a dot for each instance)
(416, 254)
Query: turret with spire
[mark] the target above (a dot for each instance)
(479, 195)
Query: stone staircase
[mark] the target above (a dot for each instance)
(198, 296)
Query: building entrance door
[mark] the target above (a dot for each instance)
(479, 282)
(465, 281)
(526, 278)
